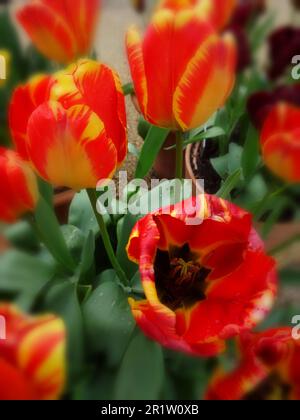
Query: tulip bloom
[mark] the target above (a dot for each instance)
(269, 369)
(183, 71)
(280, 141)
(71, 126)
(203, 283)
(62, 30)
(218, 12)
(18, 187)
(32, 356)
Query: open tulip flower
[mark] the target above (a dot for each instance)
(32, 356)
(269, 369)
(182, 70)
(71, 126)
(280, 141)
(18, 187)
(218, 12)
(62, 30)
(204, 283)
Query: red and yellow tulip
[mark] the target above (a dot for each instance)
(280, 141)
(269, 369)
(218, 12)
(32, 356)
(71, 126)
(182, 70)
(18, 187)
(204, 283)
(62, 30)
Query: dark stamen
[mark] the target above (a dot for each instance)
(272, 388)
(180, 278)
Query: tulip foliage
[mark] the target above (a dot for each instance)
(177, 291)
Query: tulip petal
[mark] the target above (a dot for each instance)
(81, 83)
(137, 67)
(253, 299)
(49, 32)
(82, 17)
(32, 358)
(178, 35)
(218, 12)
(18, 187)
(206, 83)
(40, 354)
(13, 384)
(160, 324)
(237, 384)
(280, 139)
(24, 101)
(67, 146)
(237, 280)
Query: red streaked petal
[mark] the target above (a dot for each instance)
(33, 356)
(24, 101)
(235, 385)
(206, 83)
(82, 83)
(13, 384)
(137, 67)
(280, 139)
(67, 147)
(18, 187)
(49, 32)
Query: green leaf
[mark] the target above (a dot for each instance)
(23, 276)
(136, 283)
(128, 89)
(108, 319)
(127, 224)
(21, 236)
(46, 190)
(87, 256)
(290, 277)
(74, 239)
(62, 300)
(257, 189)
(51, 233)
(250, 157)
(274, 216)
(220, 165)
(96, 385)
(235, 158)
(152, 145)
(230, 184)
(143, 128)
(211, 133)
(141, 374)
(81, 214)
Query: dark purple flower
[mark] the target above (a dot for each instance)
(261, 103)
(246, 10)
(284, 44)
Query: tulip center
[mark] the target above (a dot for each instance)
(272, 388)
(180, 278)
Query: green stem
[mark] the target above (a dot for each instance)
(179, 155)
(106, 239)
(128, 89)
(67, 263)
